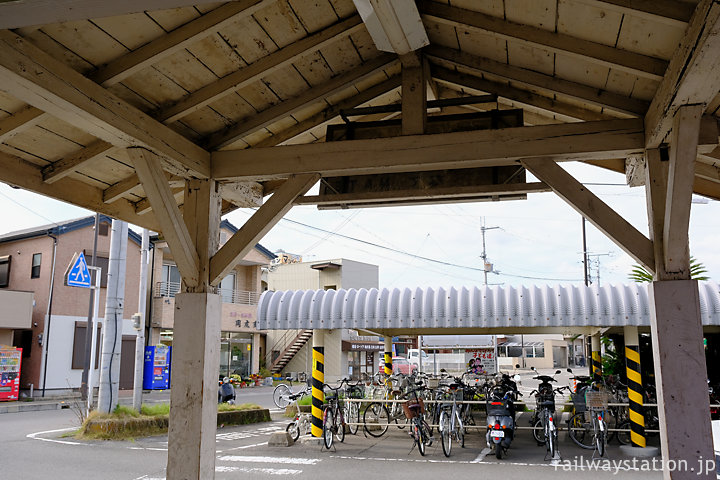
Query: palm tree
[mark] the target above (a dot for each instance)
(640, 274)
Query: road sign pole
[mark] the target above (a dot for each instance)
(140, 339)
(88, 333)
(93, 341)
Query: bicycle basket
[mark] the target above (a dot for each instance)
(595, 399)
(413, 407)
(355, 391)
(578, 400)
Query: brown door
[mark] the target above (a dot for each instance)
(127, 362)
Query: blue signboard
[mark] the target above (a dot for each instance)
(156, 374)
(79, 276)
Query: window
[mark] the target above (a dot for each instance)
(103, 263)
(4, 271)
(103, 229)
(330, 287)
(78, 353)
(169, 281)
(37, 260)
(227, 288)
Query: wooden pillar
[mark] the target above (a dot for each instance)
(196, 346)
(414, 94)
(676, 324)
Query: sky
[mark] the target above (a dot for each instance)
(529, 242)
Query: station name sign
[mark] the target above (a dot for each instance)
(362, 346)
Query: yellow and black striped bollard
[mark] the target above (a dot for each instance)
(318, 394)
(635, 395)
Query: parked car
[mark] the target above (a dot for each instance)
(402, 365)
(413, 357)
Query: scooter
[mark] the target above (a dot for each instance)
(500, 406)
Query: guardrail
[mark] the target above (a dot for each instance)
(239, 297)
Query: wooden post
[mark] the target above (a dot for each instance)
(414, 94)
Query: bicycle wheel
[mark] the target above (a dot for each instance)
(338, 424)
(459, 430)
(624, 437)
(294, 430)
(352, 416)
(419, 437)
(601, 439)
(398, 415)
(445, 433)
(539, 432)
(327, 432)
(551, 441)
(281, 395)
(376, 419)
(581, 431)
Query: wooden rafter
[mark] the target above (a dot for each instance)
(517, 95)
(19, 121)
(150, 172)
(117, 190)
(64, 167)
(258, 225)
(145, 205)
(595, 210)
(693, 75)
(176, 40)
(572, 141)
(35, 77)
(609, 56)
(261, 68)
(290, 106)
(18, 172)
(585, 93)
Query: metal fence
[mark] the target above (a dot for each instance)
(240, 297)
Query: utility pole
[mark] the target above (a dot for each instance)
(140, 322)
(483, 229)
(585, 254)
(596, 257)
(112, 339)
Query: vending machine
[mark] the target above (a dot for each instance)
(10, 361)
(156, 374)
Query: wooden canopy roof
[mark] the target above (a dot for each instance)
(213, 88)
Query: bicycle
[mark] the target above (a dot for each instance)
(333, 424)
(352, 409)
(282, 393)
(545, 430)
(379, 414)
(301, 422)
(450, 424)
(414, 409)
(588, 428)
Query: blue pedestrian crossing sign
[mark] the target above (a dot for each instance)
(78, 274)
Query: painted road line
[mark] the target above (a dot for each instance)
(35, 436)
(246, 446)
(258, 470)
(283, 460)
(485, 451)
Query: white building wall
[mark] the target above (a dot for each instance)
(359, 275)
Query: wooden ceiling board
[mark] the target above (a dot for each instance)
(306, 137)
(106, 170)
(482, 45)
(581, 71)
(257, 137)
(133, 98)
(443, 34)
(186, 71)
(289, 121)
(171, 19)
(205, 121)
(23, 155)
(281, 23)
(233, 106)
(43, 144)
(9, 104)
(66, 130)
(217, 55)
(312, 68)
(315, 15)
(645, 89)
(154, 87)
(341, 56)
(531, 58)
(496, 8)
(649, 38)
(258, 96)
(343, 8)
(538, 13)
(86, 40)
(248, 39)
(89, 179)
(589, 22)
(59, 52)
(206, 7)
(133, 31)
(370, 81)
(625, 84)
(364, 45)
(288, 82)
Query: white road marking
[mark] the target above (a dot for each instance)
(285, 460)
(485, 451)
(270, 471)
(246, 446)
(34, 436)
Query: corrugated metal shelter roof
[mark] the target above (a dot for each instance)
(478, 309)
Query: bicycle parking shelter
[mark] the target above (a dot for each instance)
(168, 119)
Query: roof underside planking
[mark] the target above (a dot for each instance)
(213, 89)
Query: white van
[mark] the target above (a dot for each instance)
(414, 359)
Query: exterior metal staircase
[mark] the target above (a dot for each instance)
(290, 349)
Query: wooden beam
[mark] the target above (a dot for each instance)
(330, 112)
(517, 95)
(468, 192)
(41, 12)
(22, 174)
(707, 172)
(668, 11)
(201, 212)
(480, 148)
(29, 74)
(19, 121)
(149, 171)
(292, 105)
(606, 55)
(681, 172)
(64, 167)
(414, 90)
(693, 76)
(258, 225)
(117, 190)
(176, 40)
(595, 210)
(259, 69)
(144, 206)
(656, 171)
(585, 93)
